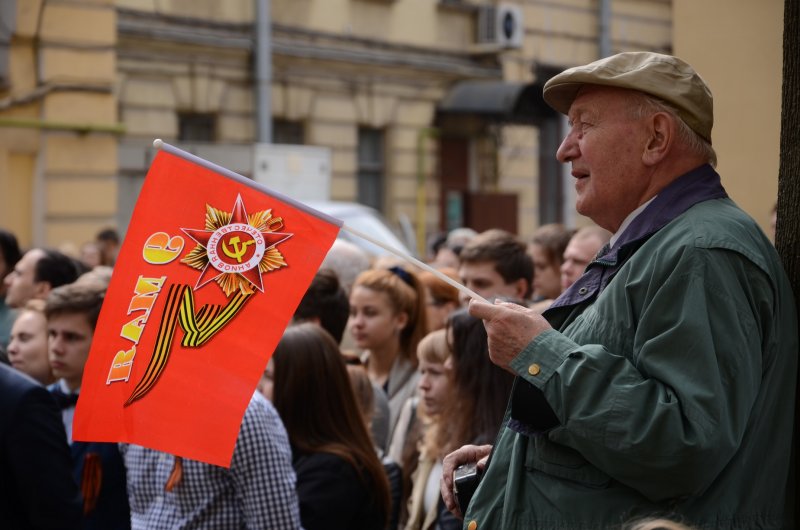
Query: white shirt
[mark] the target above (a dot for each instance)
(68, 413)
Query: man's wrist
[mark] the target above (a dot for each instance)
(542, 357)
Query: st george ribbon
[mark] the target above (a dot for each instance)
(211, 270)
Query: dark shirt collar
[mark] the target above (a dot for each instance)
(698, 185)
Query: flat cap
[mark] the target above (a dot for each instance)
(663, 76)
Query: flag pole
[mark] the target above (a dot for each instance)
(161, 145)
(422, 265)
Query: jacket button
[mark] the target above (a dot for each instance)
(473, 525)
(583, 290)
(534, 369)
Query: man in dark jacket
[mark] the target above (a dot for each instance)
(72, 311)
(37, 490)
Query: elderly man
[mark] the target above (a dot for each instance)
(663, 381)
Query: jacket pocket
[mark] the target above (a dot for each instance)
(562, 462)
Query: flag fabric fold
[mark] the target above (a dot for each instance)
(211, 270)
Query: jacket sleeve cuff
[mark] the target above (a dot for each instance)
(531, 413)
(542, 357)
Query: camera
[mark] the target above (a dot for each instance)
(465, 481)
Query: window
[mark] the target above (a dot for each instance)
(370, 167)
(288, 132)
(551, 178)
(197, 127)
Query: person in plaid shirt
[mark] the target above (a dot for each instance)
(257, 491)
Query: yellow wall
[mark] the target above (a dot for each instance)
(736, 46)
(237, 11)
(411, 22)
(57, 183)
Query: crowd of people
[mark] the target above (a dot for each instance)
(381, 374)
(649, 388)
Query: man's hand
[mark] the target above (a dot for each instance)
(464, 455)
(510, 328)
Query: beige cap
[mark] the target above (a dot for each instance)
(663, 76)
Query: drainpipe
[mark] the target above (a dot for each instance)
(422, 136)
(263, 72)
(604, 29)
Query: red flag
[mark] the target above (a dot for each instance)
(209, 275)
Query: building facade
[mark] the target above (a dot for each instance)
(431, 110)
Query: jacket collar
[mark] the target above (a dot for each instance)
(698, 185)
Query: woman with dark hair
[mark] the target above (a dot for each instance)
(9, 256)
(340, 481)
(481, 388)
(365, 397)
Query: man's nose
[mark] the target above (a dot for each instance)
(56, 345)
(568, 150)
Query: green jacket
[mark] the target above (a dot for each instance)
(668, 388)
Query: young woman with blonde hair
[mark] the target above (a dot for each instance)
(471, 414)
(387, 320)
(421, 454)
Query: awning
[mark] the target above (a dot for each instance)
(497, 101)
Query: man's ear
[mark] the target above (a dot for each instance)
(521, 288)
(661, 128)
(41, 290)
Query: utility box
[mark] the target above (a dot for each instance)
(302, 172)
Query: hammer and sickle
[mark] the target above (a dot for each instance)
(238, 251)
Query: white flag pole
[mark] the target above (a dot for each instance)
(422, 265)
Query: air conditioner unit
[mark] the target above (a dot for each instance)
(501, 25)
